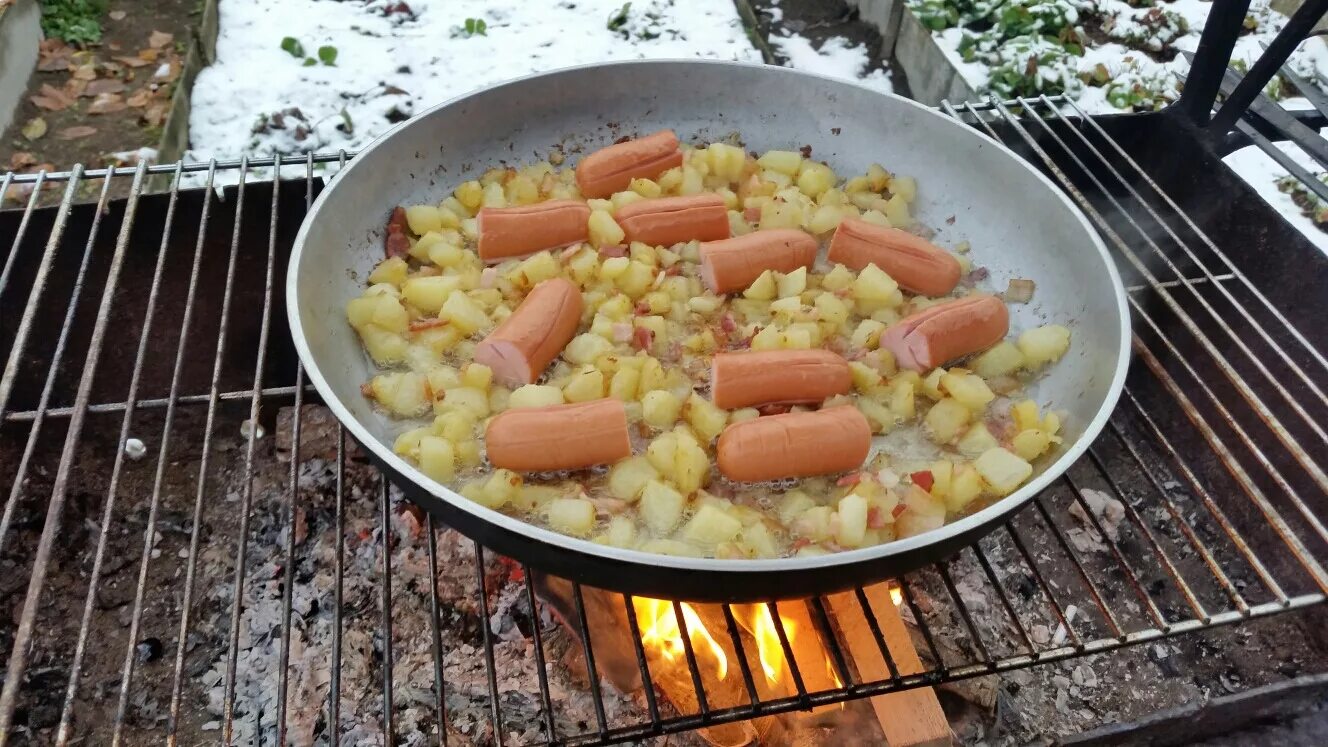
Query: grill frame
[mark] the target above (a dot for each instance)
(1166, 372)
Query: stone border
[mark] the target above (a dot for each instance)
(175, 130)
(932, 77)
(20, 34)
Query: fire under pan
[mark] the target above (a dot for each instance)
(191, 550)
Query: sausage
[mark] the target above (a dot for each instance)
(514, 231)
(539, 439)
(732, 264)
(944, 332)
(611, 169)
(395, 243)
(665, 221)
(915, 263)
(798, 444)
(777, 377)
(520, 348)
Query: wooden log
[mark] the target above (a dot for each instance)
(908, 718)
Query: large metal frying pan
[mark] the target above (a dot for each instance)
(1019, 224)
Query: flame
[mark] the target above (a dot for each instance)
(768, 649)
(896, 595)
(660, 632)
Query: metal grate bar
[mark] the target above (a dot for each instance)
(965, 614)
(583, 629)
(875, 627)
(385, 607)
(157, 403)
(488, 646)
(338, 564)
(1189, 323)
(436, 641)
(288, 571)
(702, 704)
(748, 681)
(634, 625)
(1004, 597)
(1044, 587)
(540, 668)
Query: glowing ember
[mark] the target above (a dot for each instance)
(660, 632)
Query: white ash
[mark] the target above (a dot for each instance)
(1108, 510)
(312, 622)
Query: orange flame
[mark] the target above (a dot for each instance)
(660, 632)
(768, 648)
(896, 595)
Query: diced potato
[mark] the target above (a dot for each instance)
(1002, 471)
(628, 477)
(455, 425)
(652, 376)
(813, 524)
(825, 218)
(660, 408)
(383, 346)
(896, 211)
(942, 476)
(467, 398)
(783, 161)
(532, 498)
(537, 268)
(1031, 444)
(1044, 344)
(691, 465)
(763, 288)
(865, 378)
(815, 178)
(852, 520)
(768, 338)
(423, 218)
(392, 270)
(881, 418)
(500, 488)
(967, 389)
(922, 513)
(645, 188)
(791, 284)
(710, 525)
(574, 516)
(443, 377)
(692, 181)
(965, 485)
(661, 452)
(1002, 359)
(428, 294)
(470, 194)
(604, 230)
(388, 313)
(407, 444)
(585, 348)
(477, 375)
(464, 313)
(661, 506)
(468, 453)
(613, 267)
(878, 179)
(796, 337)
(498, 397)
(945, 419)
(832, 309)
(976, 440)
(779, 213)
(437, 458)
(586, 385)
(535, 395)
(793, 504)
(873, 284)
(621, 199)
(867, 334)
(756, 541)
(621, 532)
(661, 546)
(706, 419)
(401, 393)
(902, 401)
(1025, 415)
(624, 384)
(636, 279)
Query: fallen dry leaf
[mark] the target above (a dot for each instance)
(107, 103)
(21, 160)
(75, 87)
(132, 61)
(75, 133)
(34, 129)
(85, 72)
(160, 39)
(155, 115)
(53, 55)
(140, 98)
(51, 98)
(117, 15)
(105, 85)
(147, 54)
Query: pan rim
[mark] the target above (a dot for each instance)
(990, 515)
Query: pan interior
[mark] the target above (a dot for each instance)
(969, 189)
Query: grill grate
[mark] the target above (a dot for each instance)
(1216, 453)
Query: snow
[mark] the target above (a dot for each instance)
(1261, 172)
(837, 57)
(390, 65)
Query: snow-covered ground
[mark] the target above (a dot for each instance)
(1262, 173)
(393, 59)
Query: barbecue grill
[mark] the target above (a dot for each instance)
(162, 463)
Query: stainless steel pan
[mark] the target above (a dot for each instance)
(1019, 224)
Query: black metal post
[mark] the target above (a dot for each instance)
(1211, 58)
(1291, 35)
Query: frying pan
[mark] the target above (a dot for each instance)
(969, 187)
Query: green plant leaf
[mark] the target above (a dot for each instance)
(327, 55)
(292, 46)
(310, 62)
(618, 18)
